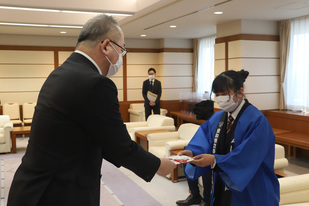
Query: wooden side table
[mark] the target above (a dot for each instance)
(16, 131)
(143, 135)
(174, 174)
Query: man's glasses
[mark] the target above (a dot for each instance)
(123, 50)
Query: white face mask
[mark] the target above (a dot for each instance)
(151, 77)
(113, 68)
(227, 103)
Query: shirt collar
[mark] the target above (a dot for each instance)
(237, 110)
(90, 59)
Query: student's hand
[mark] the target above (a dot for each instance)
(166, 167)
(186, 152)
(203, 160)
(152, 103)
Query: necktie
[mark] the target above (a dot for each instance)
(151, 85)
(229, 124)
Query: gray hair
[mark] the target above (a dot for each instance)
(98, 28)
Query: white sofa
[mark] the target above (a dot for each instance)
(154, 122)
(6, 127)
(294, 190)
(137, 112)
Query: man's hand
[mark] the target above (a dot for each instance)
(152, 103)
(166, 167)
(186, 152)
(203, 160)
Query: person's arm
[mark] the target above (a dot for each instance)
(144, 91)
(104, 124)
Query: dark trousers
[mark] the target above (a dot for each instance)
(149, 109)
(195, 191)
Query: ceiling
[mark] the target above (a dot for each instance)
(193, 18)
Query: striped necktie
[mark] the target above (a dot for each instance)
(229, 123)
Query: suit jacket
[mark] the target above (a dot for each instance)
(76, 123)
(157, 89)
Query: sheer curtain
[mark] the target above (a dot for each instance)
(204, 73)
(297, 70)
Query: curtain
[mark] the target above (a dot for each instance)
(297, 68)
(285, 35)
(205, 64)
(195, 64)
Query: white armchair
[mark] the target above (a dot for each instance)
(154, 122)
(6, 127)
(294, 190)
(280, 161)
(161, 144)
(12, 109)
(28, 111)
(137, 112)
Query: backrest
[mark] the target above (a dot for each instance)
(156, 120)
(137, 106)
(28, 110)
(11, 109)
(4, 119)
(187, 130)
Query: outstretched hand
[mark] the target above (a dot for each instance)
(186, 152)
(166, 167)
(203, 160)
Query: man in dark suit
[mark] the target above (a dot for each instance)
(77, 123)
(154, 86)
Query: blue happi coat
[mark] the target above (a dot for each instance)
(248, 170)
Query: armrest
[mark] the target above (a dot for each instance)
(163, 135)
(8, 125)
(174, 145)
(159, 139)
(136, 124)
(178, 144)
(294, 189)
(136, 112)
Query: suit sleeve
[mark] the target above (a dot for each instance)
(159, 92)
(106, 127)
(144, 91)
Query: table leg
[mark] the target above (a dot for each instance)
(175, 174)
(13, 136)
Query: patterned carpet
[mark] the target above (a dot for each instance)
(116, 188)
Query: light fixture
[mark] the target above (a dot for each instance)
(65, 11)
(41, 25)
(218, 12)
(63, 32)
(173, 26)
(143, 35)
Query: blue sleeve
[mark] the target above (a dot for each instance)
(254, 147)
(202, 143)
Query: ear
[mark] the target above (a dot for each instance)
(103, 46)
(241, 91)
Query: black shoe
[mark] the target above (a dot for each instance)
(191, 200)
(203, 203)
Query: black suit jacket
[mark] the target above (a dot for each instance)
(157, 89)
(76, 123)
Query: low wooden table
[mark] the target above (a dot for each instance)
(143, 135)
(280, 131)
(293, 140)
(174, 174)
(16, 131)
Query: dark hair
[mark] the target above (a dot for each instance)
(152, 69)
(229, 80)
(97, 28)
